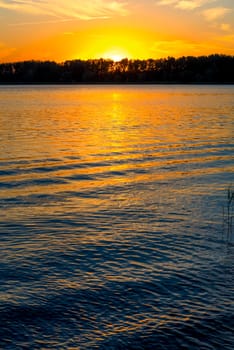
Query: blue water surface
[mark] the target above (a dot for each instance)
(112, 230)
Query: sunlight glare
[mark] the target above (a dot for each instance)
(115, 55)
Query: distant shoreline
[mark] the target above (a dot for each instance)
(213, 69)
(116, 83)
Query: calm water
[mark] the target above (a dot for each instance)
(111, 217)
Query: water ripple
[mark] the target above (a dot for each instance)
(111, 218)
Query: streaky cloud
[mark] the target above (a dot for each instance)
(225, 27)
(215, 13)
(185, 4)
(16, 24)
(73, 8)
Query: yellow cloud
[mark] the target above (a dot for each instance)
(177, 48)
(164, 48)
(68, 9)
(215, 13)
(185, 4)
(225, 27)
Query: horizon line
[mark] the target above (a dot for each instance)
(112, 60)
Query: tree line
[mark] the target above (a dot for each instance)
(203, 69)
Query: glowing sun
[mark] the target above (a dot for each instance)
(115, 55)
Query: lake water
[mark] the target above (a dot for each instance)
(111, 222)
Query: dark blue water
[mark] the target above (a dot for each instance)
(111, 226)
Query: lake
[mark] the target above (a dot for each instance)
(112, 232)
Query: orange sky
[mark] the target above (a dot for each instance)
(60, 30)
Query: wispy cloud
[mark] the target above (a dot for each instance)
(185, 4)
(226, 27)
(78, 9)
(210, 14)
(166, 48)
(179, 48)
(215, 13)
(53, 21)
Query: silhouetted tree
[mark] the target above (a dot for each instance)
(209, 69)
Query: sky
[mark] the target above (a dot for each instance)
(63, 30)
